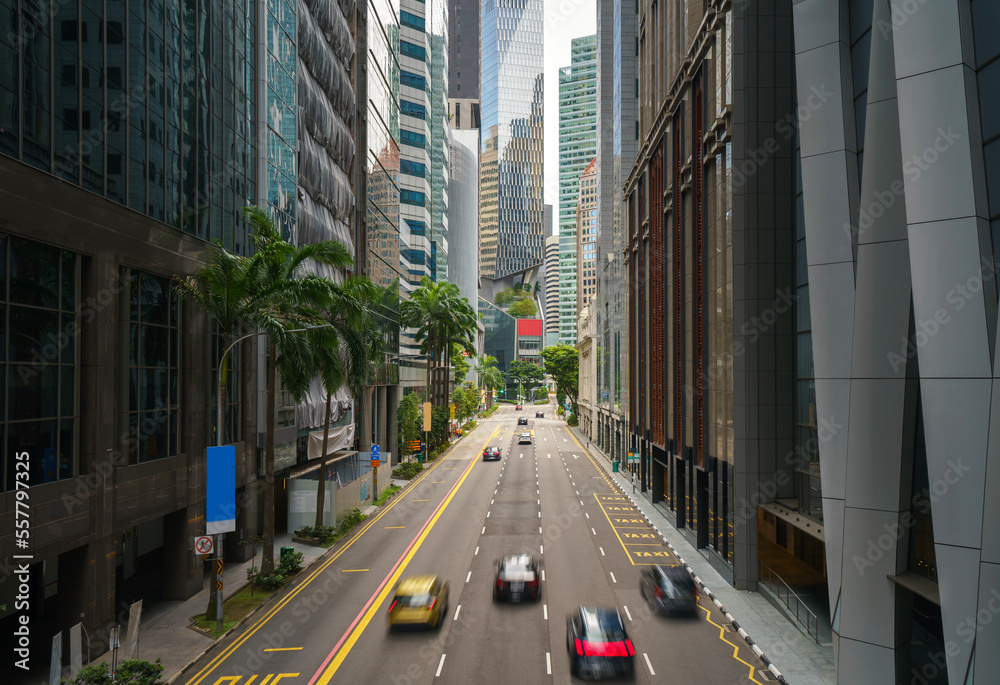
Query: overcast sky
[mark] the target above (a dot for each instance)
(564, 20)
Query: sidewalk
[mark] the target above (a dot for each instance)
(164, 629)
(796, 656)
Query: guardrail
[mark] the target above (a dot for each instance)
(780, 590)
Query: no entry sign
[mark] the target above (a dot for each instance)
(203, 544)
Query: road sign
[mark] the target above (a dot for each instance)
(374, 451)
(203, 544)
(375, 463)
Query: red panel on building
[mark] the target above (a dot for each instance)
(529, 327)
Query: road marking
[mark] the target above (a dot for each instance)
(459, 608)
(487, 514)
(394, 527)
(543, 574)
(541, 549)
(548, 663)
(545, 613)
(491, 501)
(577, 492)
(440, 666)
(436, 481)
(586, 514)
(593, 531)
(281, 649)
(477, 551)
(539, 514)
(602, 551)
(539, 502)
(353, 570)
(522, 456)
(627, 613)
(613, 579)
(648, 665)
(581, 503)
(468, 576)
(424, 500)
(484, 531)
(539, 529)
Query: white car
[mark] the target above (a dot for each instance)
(524, 439)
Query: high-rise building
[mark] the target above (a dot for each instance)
(617, 119)
(511, 86)
(463, 65)
(552, 290)
(899, 254)
(463, 210)
(577, 145)
(586, 237)
(440, 140)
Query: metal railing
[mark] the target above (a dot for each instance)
(780, 590)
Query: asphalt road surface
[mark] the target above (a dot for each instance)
(549, 499)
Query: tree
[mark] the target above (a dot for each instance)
(523, 309)
(466, 399)
(461, 363)
(562, 362)
(525, 373)
(408, 419)
(490, 377)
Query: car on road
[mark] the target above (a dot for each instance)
(420, 601)
(517, 407)
(522, 420)
(539, 415)
(669, 590)
(516, 579)
(524, 439)
(491, 453)
(598, 644)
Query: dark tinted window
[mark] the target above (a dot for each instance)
(602, 626)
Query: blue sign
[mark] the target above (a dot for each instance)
(220, 493)
(374, 451)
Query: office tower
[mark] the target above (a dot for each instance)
(900, 198)
(586, 237)
(463, 220)
(577, 145)
(552, 290)
(463, 64)
(617, 137)
(511, 88)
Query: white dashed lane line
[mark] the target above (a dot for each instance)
(627, 613)
(648, 665)
(441, 665)
(459, 608)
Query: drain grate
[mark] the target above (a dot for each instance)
(766, 675)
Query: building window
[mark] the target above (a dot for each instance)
(413, 138)
(39, 294)
(150, 328)
(412, 109)
(411, 20)
(411, 50)
(408, 78)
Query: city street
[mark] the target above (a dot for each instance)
(548, 499)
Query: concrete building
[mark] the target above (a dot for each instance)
(463, 214)
(577, 145)
(617, 139)
(586, 345)
(900, 205)
(530, 335)
(511, 186)
(552, 291)
(586, 237)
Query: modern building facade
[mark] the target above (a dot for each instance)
(577, 145)
(463, 61)
(500, 339)
(586, 237)
(617, 139)
(552, 291)
(530, 335)
(463, 214)
(511, 189)
(586, 346)
(900, 183)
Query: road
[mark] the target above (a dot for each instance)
(550, 499)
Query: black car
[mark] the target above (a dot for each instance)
(522, 420)
(669, 589)
(598, 644)
(539, 415)
(491, 453)
(517, 578)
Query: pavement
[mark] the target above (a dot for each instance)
(798, 658)
(165, 627)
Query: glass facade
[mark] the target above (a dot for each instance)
(511, 83)
(577, 148)
(148, 103)
(440, 155)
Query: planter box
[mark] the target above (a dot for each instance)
(313, 542)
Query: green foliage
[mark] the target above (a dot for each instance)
(386, 494)
(523, 309)
(461, 364)
(465, 399)
(129, 672)
(409, 420)
(490, 411)
(305, 532)
(572, 420)
(408, 470)
(439, 425)
(562, 362)
(560, 411)
(525, 373)
(542, 394)
(509, 296)
(290, 564)
(353, 518)
(269, 581)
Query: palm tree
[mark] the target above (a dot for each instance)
(489, 376)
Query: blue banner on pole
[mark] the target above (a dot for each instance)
(220, 495)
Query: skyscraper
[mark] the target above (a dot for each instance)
(463, 65)
(577, 145)
(586, 237)
(512, 82)
(551, 290)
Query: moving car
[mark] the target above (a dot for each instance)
(517, 407)
(420, 601)
(539, 415)
(524, 439)
(598, 644)
(517, 578)
(491, 453)
(522, 420)
(669, 589)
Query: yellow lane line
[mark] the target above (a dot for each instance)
(421, 500)
(394, 527)
(352, 570)
(282, 649)
(390, 582)
(236, 644)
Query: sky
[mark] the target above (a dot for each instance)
(564, 20)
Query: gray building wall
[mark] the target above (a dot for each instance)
(463, 209)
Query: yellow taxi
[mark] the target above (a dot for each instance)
(419, 601)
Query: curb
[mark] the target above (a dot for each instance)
(705, 589)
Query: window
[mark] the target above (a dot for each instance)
(412, 197)
(149, 319)
(411, 20)
(39, 294)
(412, 109)
(408, 78)
(413, 138)
(411, 50)
(412, 168)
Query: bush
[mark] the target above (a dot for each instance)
(353, 518)
(290, 564)
(468, 427)
(560, 411)
(408, 470)
(129, 672)
(269, 581)
(541, 394)
(305, 532)
(572, 420)
(489, 412)
(386, 494)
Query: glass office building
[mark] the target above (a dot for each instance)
(512, 116)
(577, 147)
